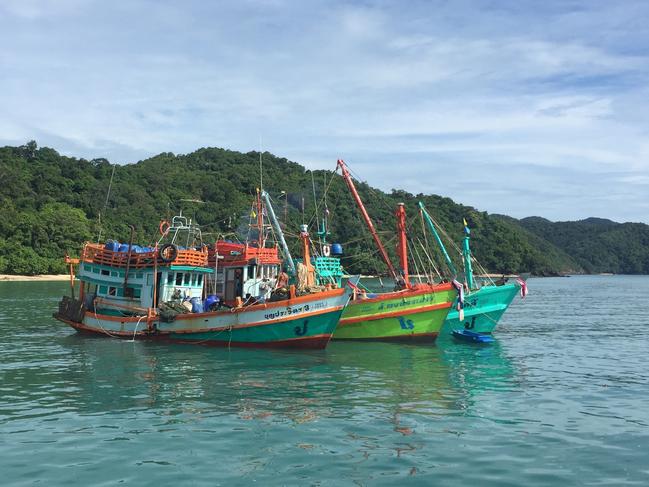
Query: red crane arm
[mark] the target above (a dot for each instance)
(350, 184)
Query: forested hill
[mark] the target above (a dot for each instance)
(50, 204)
(598, 245)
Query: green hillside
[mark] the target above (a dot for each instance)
(596, 244)
(50, 204)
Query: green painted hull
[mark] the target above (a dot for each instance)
(417, 317)
(307, 332)
(482, 309)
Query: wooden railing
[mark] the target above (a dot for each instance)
(97, 254)
(235, 253)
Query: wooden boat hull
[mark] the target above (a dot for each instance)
(413, 316)
(302, 322)
(482, 308)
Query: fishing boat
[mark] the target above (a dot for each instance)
(413, 312)
(167, 292)
(480, 303)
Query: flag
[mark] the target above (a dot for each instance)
(253, 214)
(466, 226)
(523, 286)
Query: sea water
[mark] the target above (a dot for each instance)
(561, 398)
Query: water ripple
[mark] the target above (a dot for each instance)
(560, 398)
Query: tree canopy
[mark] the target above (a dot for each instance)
(50, 204)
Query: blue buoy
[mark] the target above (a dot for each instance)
(471, 336)
(336, 249)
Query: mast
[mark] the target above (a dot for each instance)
(260, 222)
(366, 217)
(429, 221)
(466, 253)
(278, 229)
(402, 246)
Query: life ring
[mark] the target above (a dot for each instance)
(326, 250)
(168, 252)
(164, 227)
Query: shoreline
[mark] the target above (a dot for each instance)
(42, 277)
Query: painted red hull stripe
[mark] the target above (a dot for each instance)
(393, 314)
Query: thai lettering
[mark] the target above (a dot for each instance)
(301, 330)
(289, 311)
(406, 324)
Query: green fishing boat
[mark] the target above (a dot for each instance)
(480, 303)
(413, 312)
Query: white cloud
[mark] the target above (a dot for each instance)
(379, 84)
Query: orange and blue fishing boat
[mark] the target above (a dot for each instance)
(169, 292)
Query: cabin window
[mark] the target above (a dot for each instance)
(114, 273)
(103, 289)
(104, 272)
(179, 278)
(112, 291)
(95, 270)
(187, 278)
(137, 293)
(170, 278)
(139, 275)
(200, 279)
(193, 279)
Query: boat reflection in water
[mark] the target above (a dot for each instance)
(349, 379)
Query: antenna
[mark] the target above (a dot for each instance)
(110, 185)
(261, 168)
(315, 202)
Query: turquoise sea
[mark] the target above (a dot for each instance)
(561, 398)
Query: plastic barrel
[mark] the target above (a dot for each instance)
(212, 301)
(112, 245)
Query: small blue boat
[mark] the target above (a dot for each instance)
(471, 336)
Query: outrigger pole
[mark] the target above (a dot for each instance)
(350, 184)
(431, 226)
(278, 229)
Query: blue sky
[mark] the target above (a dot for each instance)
(516, 107)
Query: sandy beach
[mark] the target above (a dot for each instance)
(42, 277)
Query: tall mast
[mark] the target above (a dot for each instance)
(402, 246)
(260, 221)
(280, 234)
(366, 217)
(429, 221)
(466, 253)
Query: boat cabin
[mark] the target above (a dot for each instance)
(243, 271)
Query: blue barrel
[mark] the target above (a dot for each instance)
(112, 245)
(336, 249)
(211, 302)
(197, 305)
